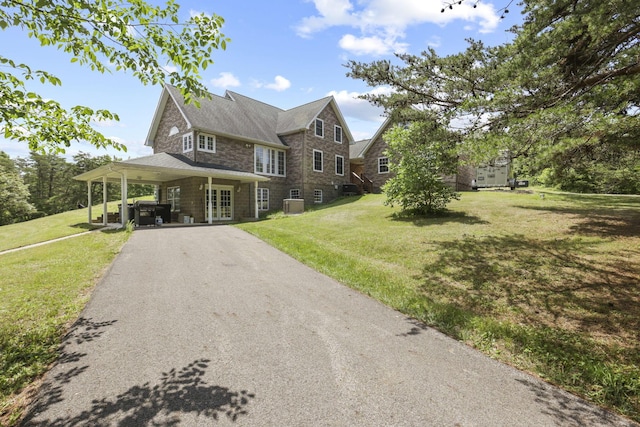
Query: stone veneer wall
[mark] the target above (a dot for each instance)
(240, 155)
(192, 198)
(326, 180)
(375, 151)
(231, 153)
(165, 143)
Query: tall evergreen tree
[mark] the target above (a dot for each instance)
(14, 194)
(570, 78)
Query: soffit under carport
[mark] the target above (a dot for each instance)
(164, 167)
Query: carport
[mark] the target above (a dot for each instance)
(158, 169)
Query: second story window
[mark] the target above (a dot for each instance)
(207, 143)
(317, 160)
(187, 142)
(269, 161)
(319, 128)
(383, 165)
(339, 165)
(337, 134)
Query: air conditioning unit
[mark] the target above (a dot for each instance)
(293, 206)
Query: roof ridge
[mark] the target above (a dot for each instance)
(232, 93)
(310, 102)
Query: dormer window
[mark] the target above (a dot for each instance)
(319, 128)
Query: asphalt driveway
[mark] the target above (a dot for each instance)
(210, 326)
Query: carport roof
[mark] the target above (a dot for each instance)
(163, 167)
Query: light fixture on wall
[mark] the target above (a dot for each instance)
(247, 145)
(200, 188)
(238, 190)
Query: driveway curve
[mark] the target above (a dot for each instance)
(208, 326)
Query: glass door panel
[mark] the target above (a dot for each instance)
(221, 203)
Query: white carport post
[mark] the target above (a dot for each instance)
(255, 197)
(104, 200)
(89, 200)
(125, 209)
(210, 207)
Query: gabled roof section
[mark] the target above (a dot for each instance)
(240, 117)
(356, 149)
(165, 97)
(233, 115)
(381, 130)
(300, 118)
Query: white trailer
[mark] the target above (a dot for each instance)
(494, 174)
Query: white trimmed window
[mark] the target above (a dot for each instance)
(263, 199)
(207, 143)
(294, 193)
(173, 197)
(317, 196)
(317, 161)
(383, 165)
(337, 134)
(187, 142)
(339, 165)
(320, 128)
(269, 161)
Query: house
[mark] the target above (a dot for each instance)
(234, 157)
(370, 165)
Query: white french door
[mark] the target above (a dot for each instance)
(221, 203)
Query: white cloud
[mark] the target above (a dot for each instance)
(332, 13)
(383, 22)
(226, 80)
(106, 123)
(279, 84)
(374, 45)
(354, 107)
(170, 68)
(434, 42)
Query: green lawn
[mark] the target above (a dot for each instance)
(53, 226)
(42, 289)
(549, 285)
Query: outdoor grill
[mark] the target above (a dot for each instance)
(146, 212)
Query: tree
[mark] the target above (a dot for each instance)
(14, 205)
(570, 77)
(132, 36)
(420, 156)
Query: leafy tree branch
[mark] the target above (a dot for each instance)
(149, 41)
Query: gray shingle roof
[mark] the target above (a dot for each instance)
(162, 167)
(356, 149)
(239, 116)
(232, 115)
(299, 118)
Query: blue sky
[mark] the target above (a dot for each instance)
(284, 53)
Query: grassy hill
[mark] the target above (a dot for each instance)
(52, 227)
(548, 284)
(42, 290)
